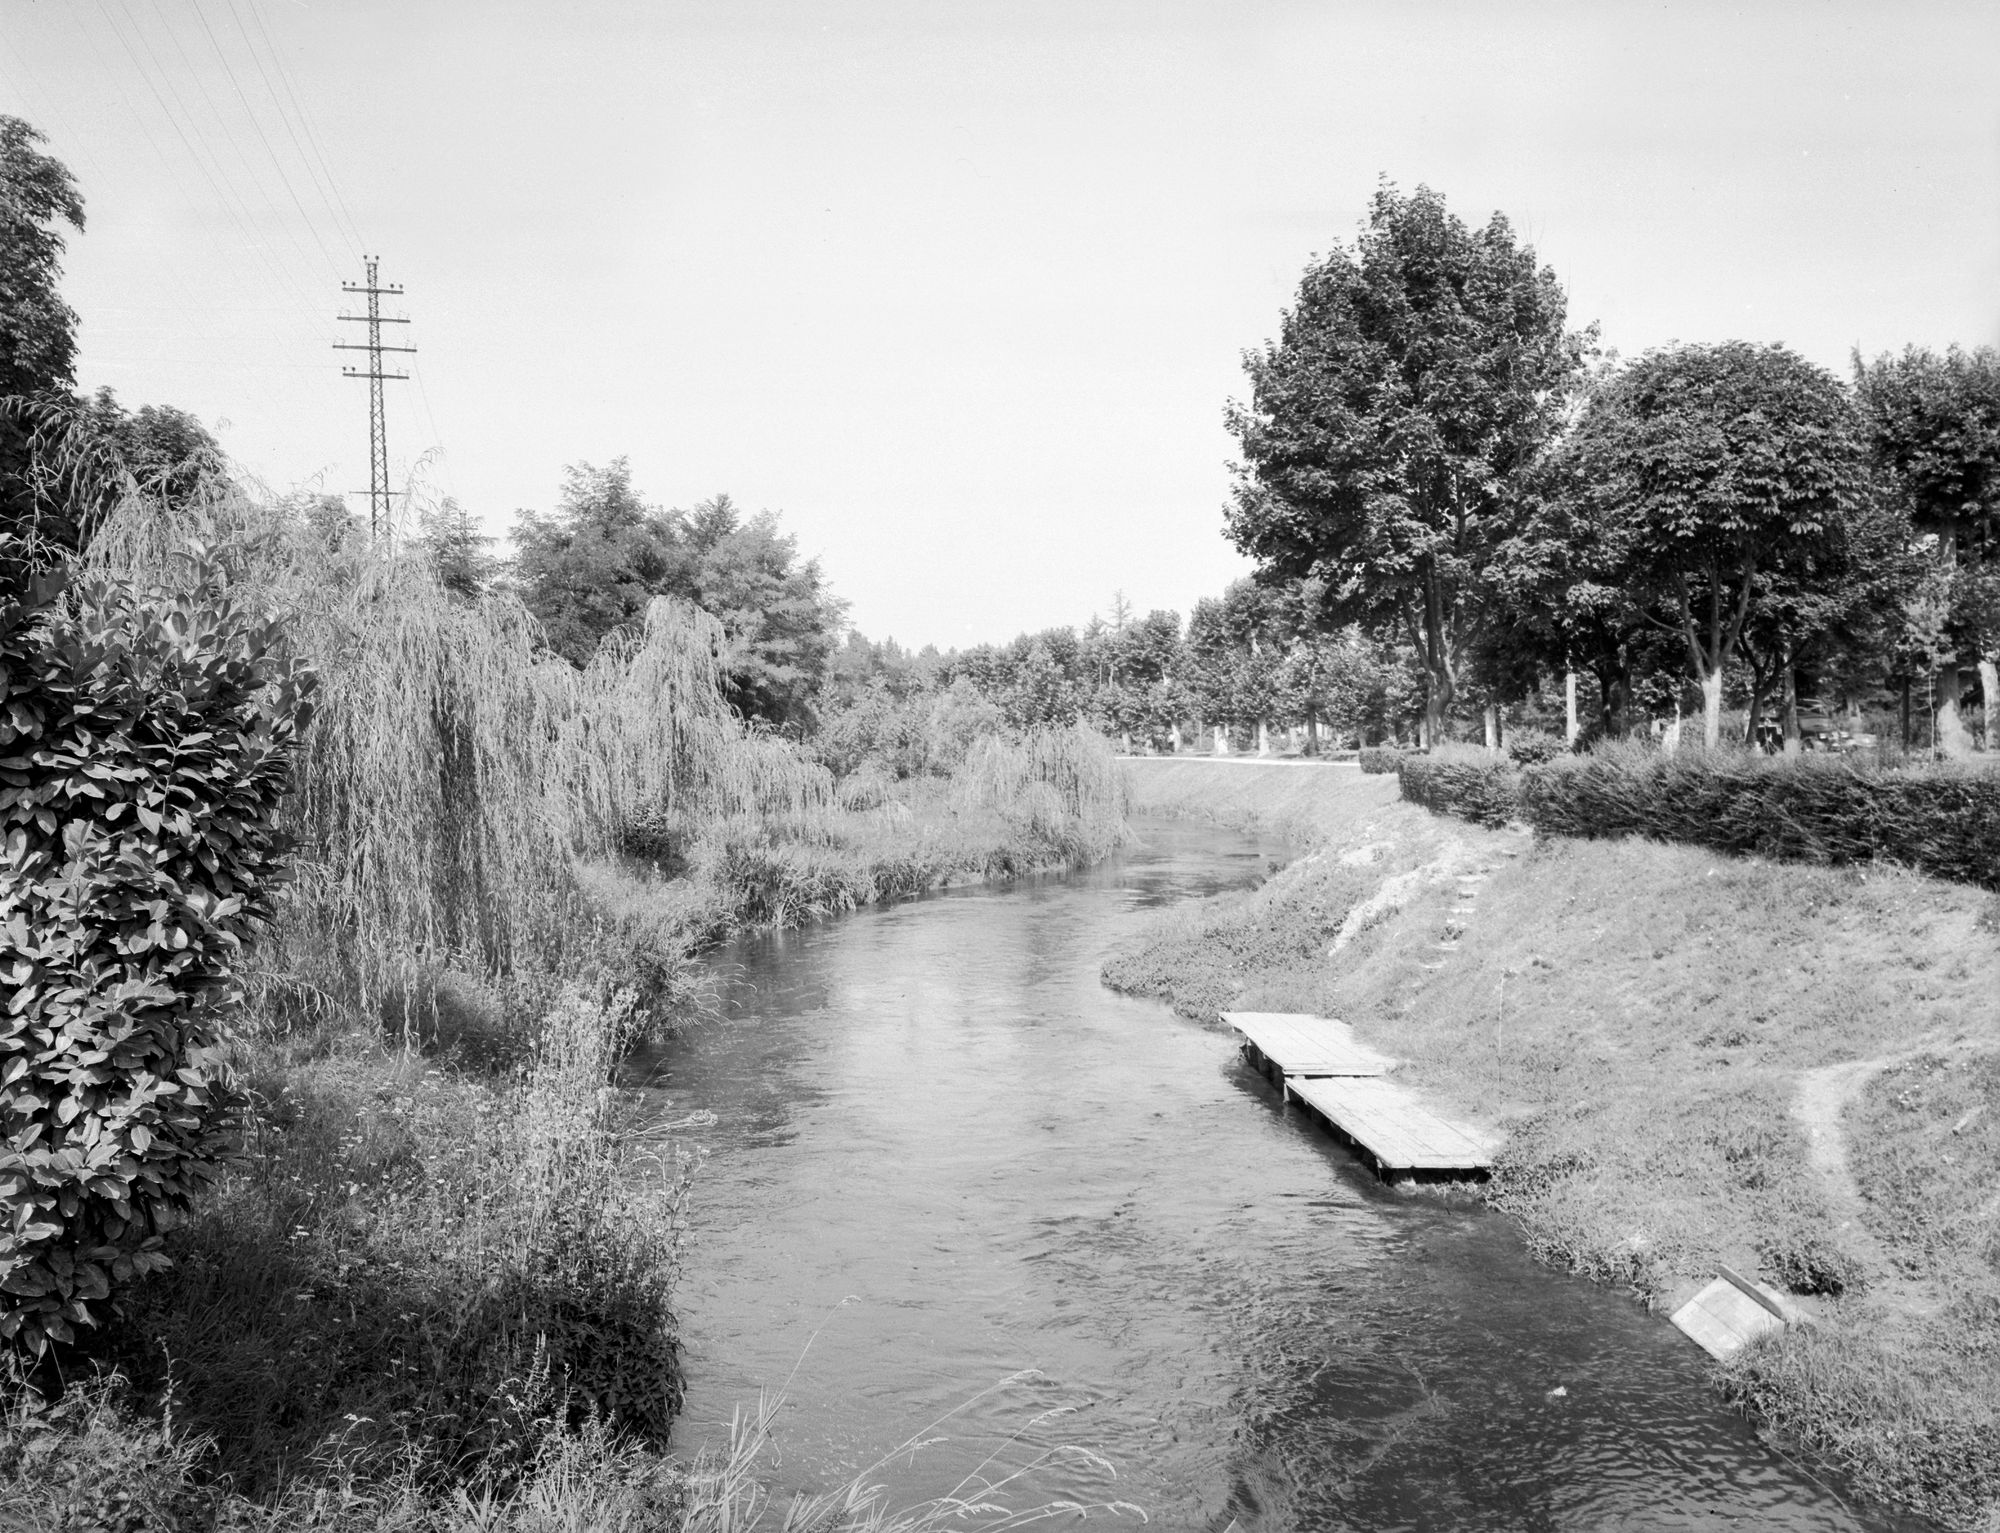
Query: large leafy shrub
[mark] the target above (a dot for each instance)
(146, 732)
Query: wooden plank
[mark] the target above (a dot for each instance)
(1724, 1318)
(1393, 1126)
(1301, 1044)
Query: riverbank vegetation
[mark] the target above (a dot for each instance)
(422, 1271)
(1665, 1037)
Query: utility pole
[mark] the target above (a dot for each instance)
(378, 440)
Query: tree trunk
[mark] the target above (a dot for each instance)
(1711, 708)
(1953, 738)
(1490, 717)
(1221, 741)
(1173, 739)
(1571, 728)
(1312, 732)
(1989, 701)
(1788, 678)
(1906, 715)
(1263, 738)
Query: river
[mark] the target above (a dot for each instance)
(950, 1171)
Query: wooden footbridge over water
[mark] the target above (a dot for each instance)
(1316, 1061)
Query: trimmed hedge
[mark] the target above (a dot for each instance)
(1943, 820)
(1379, 758)
(1482, 789)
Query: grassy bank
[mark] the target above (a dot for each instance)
(1660, 1031)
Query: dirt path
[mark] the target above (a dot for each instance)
(1818, 1105)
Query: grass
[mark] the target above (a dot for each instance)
(1638, 1017)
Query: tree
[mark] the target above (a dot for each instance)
(1413, 380)
(1933, 424)
(596, 563)
(52, 484)
(37, 329)
(459, 553)
(167, 452)
(779, 618)
(1701, 470)
(592, 567)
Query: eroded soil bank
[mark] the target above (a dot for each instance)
(1693, 1059)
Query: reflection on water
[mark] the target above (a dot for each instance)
(943, 1147)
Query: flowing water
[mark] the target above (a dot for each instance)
(952, 1176)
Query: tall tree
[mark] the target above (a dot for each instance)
(37, 329)
(592, 566)
(1413, 380)
(52, 470)
(1701, 471)
(1933, 423)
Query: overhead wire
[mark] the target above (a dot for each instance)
(232, 208)
(242, 158)
(270, 152)
(328, 189)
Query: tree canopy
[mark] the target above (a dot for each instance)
(1414, 379)
(592, 566)
(37, 197)
(1700, 475)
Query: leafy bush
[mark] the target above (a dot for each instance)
(1470, 784)
(1379, 758)
(1939, 819)
(1942, 819)
(1533, 747)
(146, 735)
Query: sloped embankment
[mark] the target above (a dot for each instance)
(1641, 1020)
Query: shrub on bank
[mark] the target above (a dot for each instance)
(1941, 819)
(1379, 758)
(145, 747)
(1467, 783)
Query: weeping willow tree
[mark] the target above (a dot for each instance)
(455, 774)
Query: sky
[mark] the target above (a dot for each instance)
(960, 289)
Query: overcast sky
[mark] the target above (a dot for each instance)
(960, 289)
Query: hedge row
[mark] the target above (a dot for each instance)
(1482, 789)
(1379, 758)
(1939, 819)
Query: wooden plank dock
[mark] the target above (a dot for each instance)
(1296, 1043)
(1318, 1061)
(1392, 1128)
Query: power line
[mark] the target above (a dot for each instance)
(233, 209)
(305, 122)
(344, 226)
(270, 153)
(201, 86)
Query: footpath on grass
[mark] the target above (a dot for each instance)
(1690, 1059)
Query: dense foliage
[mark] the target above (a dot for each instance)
(1942, 819)
(592, 568)
(1414, 380)
(147, 736)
